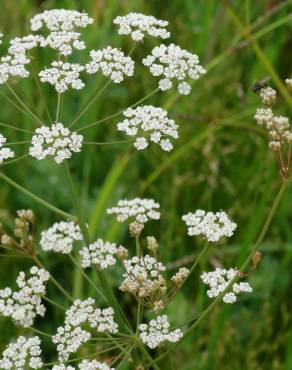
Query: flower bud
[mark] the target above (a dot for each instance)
(135, 229)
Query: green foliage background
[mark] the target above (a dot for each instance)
(220, 161)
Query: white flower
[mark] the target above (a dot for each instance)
(157, 332)
(62, 25)
(71, 336)
(268, 96)
(25, 304)
(56, 141)
(63, 367)
(138, 25)
(165, 84)
(112, 62)
(99, 254)
(212, 226)
(141, 210)
(141, 143)
(219, 279)
(151, 122)
(22, 353)
(278, 127)
(13, 64)
(69, 340)
(288, 82)
(85, 365)
(5, 153)
(1, 37)
(143, 276)
(184, 88)
(94, 365)
(60, 237)
(263, 116)
(173, 63)
(63, 76)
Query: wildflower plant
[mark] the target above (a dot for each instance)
(100, 323)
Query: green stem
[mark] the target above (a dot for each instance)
(107, 289)
(96, 94)
(15, 128)
(53, 303)
(120, 112)
(87, 277)
(36, 198)
(40, 332)
(149, 358)
(58, 107)
(54, 281)
(17, 106)
(14, 160)
(20, 101)
(194, 265)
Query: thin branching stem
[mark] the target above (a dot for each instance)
(120, 112)
(21, 103)
(36, 198)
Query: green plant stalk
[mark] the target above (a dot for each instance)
(20, 101)
(120, 112)
(107, 289)
(194, 265)
(259, 240)
(36, 198)
(87, 277)
(58, 107)
(15, 128)
(147, 355)
(89, 104)
(53, 280)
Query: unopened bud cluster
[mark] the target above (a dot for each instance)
(278, 127)
(23, 232)
(180, 276)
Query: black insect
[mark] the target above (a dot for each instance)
(260, 84)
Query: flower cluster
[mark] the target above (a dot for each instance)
(152, 122)
(180, 276)
(63, 76)
(141, 210)
(100, 254)
(71, 336)
(173, 63)
(112, 62)
(288, 82)
(143, 277)
(268, 95)
(56, 141)
(62, 25)
(212, 226)
(138, 25)
(21, 354)
(219, 279)
(278, 127)
(60, 237)
(25, 304)
(85, 365)
(5, 153)
(13, 65)
(157, 332)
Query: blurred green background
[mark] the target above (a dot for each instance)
(221, 161)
